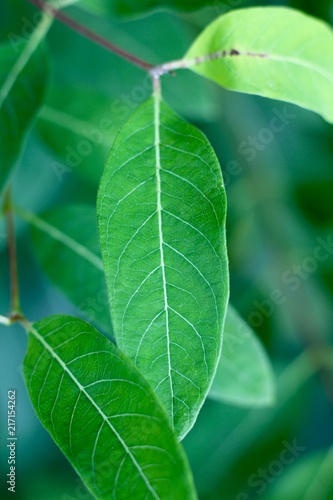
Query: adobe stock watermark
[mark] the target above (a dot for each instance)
(92, 137)
(91, 307)
(18, 41)
(243, 332)
(255, 144)
(222, 6)
(292, 279)
(122, 108)
(259, 480)
(81, 492)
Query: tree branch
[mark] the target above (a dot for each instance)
(15, 310)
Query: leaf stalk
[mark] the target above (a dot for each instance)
(16, 313)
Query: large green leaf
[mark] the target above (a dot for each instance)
(66, 244)
(102, 413)
(162, 209)
(24, 73)
(244, 375)
(274, 52)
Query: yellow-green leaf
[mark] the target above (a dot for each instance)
(273, 52)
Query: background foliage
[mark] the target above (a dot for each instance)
(280, 209)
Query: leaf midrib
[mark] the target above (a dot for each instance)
(157, 142)
(104, 417)
(265, 57)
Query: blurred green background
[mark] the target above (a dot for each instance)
(280, 209)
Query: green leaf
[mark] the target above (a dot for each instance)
(244, 375)
(309, 476)
(66, 245)
(24, 72)
(162, 210)
(273, 52)
(102, 413)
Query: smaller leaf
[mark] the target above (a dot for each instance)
(23, 77)
(308, 477)
(244, 375)
(102, 414)
(273, 52)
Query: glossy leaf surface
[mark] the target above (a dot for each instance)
(162, 211)
(102, 413)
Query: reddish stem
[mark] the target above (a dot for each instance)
(74, 25)
(15, 297)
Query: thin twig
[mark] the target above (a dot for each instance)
(86, 32)
(15, 313)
